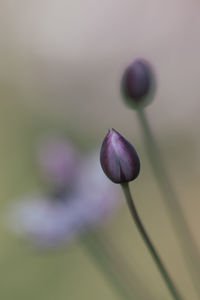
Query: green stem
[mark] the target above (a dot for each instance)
(149, 244)
(92, 246)
(187, 242)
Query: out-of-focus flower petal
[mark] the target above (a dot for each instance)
(99, 196)
(54, 219)
(45, 222)
(58, 161)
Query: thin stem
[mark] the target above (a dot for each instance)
(92, 246)
(175, 294)
(187, 242)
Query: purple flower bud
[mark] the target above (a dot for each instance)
(138, 84)
(119, 159)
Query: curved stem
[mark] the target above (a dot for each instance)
(187, 242)
(175, 294)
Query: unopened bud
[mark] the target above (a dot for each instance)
(119, 159)
(138, 84)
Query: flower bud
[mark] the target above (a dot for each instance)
(138, 84)
(119, 159)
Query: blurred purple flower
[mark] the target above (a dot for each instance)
(48, 220)
(99, 196)
(58, 161)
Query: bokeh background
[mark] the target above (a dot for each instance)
(61, 64)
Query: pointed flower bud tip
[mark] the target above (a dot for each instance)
(119, 159)
(138, 84)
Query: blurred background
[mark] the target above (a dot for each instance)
(61, 65)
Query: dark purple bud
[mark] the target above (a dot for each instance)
(119, 159)
(138, 84)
